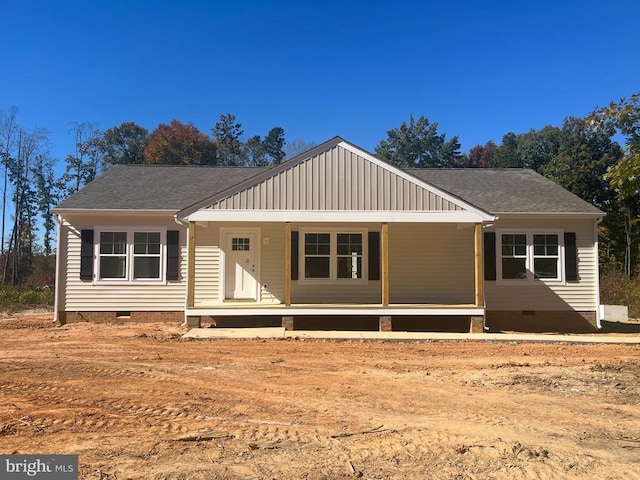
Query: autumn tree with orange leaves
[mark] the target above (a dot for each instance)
(179, 144)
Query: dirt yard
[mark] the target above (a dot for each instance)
(135, 401)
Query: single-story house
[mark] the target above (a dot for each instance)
(332, 236)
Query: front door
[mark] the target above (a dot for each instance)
(241, 277)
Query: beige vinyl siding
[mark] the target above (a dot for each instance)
(209, 268)
(579, 296)
(85, 296)
(431, 263)
(337, 179)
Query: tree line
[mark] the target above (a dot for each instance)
(596, 157)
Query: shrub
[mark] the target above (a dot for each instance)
(15, 298)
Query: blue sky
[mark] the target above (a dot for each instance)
(318, 69)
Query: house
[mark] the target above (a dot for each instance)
(333, 238)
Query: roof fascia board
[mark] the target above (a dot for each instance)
(105, 212)
(567, 215)
(333, 216)
(415, 180)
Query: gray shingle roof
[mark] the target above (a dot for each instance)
(506, 190)
(155, 187)
(173, 188)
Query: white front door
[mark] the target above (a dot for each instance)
(241, 268)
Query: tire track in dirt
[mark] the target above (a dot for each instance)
(76, 412)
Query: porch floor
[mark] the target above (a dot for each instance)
(252, 308)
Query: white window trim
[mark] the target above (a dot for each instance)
(530, 256)
(129, 280)
(333, 261)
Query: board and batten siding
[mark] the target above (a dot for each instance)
(431, 263)
(336, 179)
(579, 296)
(85, 296)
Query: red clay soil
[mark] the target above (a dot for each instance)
(137, 402)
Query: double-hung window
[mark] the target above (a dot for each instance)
(130, 255)
(527, 256)
(333, 255)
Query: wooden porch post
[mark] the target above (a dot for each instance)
(479, 262)
(287, 264)
(384, 246)
(191, 263)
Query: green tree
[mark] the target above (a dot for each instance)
(83, 165)
(256, 155)
(624, 178)
(623, 118)
(584, 154)
(507, 152)
(227, 136)
(536, 148)
(123, 144)
(179, 144)
(273, 145)
(418, 144)
(46, 197)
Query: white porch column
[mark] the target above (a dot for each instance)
(384, 247)
(287, 264)
(479, 266)
(191, 264)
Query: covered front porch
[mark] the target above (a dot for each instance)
(402, 271)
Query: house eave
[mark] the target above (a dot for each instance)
(567, 215)
(110, 212)
(340, 216)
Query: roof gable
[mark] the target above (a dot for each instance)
(335, 176)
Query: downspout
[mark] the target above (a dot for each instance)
(597, 262)
(184, 322)
(56, 287)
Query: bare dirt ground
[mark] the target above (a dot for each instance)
(135, 401)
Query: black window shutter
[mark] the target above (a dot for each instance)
(86, 255)
(173, 255)
(294, 255)
(374, 255)
(570, 257)
(489, 256)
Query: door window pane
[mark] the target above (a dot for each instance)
(240, 244)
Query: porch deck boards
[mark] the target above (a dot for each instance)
(250, 308)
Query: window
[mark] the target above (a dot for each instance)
(240, 244)
(514, 256)
(526, 256)
(333, 255)
(545, 256)
(113, 254)
(349, 255)
(130, 255)
(317, 255)
(146, 255)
